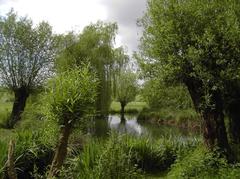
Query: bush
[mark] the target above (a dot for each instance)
(72, 95)
(158, 95)
(71, 98)
(158, 156)
(202, 163)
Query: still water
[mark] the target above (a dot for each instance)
(102, 127)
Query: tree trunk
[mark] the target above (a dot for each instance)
(214, 130)
(21, 95)
(234, 121)
(123, 104)
(232, 102)
(61, 150)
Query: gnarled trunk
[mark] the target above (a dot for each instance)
(61, 150)
(214, 130)
(21, 95)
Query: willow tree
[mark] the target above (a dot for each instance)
(26, 58)
(93, 45)
(120, 64)
(196, 43)
(71, 97)
(126, 89)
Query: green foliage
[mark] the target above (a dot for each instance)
(201, 163)
(94, 46)
(6, 99)
(194, 42)
(115, 161)
(32, 148)
(159, 96)
(158, 156)
(4, 117)
(126, 87)
(71, 95)
(3, 156)
(124, 156)
(187, 118)
(105, 160)
(82, 166)
(153, 157)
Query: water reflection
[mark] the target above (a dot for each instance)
(131, 126)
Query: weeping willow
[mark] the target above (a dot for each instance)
(94, 46)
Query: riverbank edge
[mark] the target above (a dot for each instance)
(190, 122)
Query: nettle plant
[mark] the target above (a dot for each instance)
(71, 96)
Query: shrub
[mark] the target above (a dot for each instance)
(202, 163)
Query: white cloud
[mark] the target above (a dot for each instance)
(63, 15)
(74, 15)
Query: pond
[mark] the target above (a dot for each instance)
(102, 127)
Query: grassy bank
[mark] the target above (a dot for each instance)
(185, 118)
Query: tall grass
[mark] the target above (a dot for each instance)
(125, 156)
(5, 109)
(3, 157)
(104, 160)
(33, 149)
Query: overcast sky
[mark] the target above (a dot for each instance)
(68, 15)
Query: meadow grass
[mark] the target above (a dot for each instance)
(6, 102)
(5, 110)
